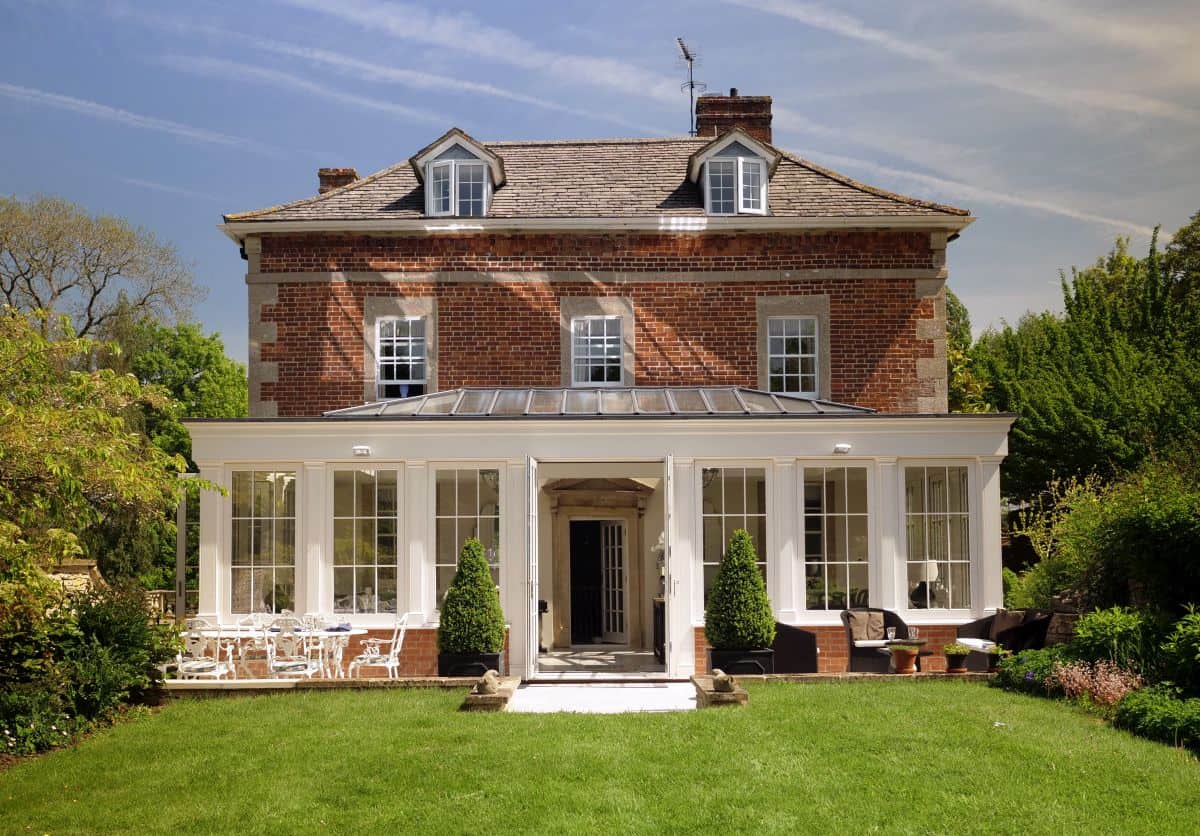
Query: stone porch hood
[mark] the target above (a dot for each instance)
(608, 402)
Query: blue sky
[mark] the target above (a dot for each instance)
(1060, 123)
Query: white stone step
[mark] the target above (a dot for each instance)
(604, 697)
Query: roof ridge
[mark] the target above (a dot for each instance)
(875, 190)
(628, 140)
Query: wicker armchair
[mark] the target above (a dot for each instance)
(865, 655)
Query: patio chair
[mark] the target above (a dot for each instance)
(795, 649)
(253, 646)
(1014, 630)
(866, 637)
(201, 655)
(374, 655)
(290, 657)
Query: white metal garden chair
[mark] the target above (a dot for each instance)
(290, 657)
(253, 646)
(378, 653)
(201, 656)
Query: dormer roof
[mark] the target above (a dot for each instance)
(731, 137)
(452, 137)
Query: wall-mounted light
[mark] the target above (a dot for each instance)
(362, 450)
(842, 448)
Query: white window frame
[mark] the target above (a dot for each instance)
(739, 173)
(454, 165)
(227, 566)
(827, 613)
(765, 550)
(380, 383)
(330, 565)
(815, 355)
(935, 615)
(433, 560)
(620, 358)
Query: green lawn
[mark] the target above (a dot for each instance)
(889, 756)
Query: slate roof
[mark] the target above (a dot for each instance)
(609, 178)
(635, 402)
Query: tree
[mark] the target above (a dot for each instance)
(58, 259)
(72, 471)
(1112, 381)
(191, 367)
(965, 389)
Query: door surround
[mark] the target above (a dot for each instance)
(623, 500)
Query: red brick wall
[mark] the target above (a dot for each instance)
(636, 252)
(834, 654)
(507, 334)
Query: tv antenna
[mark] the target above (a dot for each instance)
(691, 85)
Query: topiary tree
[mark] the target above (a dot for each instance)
(471, 620)
(738, 615)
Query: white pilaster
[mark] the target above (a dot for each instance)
(312, 536)
(887, 569)
(782, 514)
(988, 585)
(516, 556)
(683, 564)
(417, 567)
(214, 561)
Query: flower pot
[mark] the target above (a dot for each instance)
(994, 662)
(467, 664)
(956, 663)
(742, 661)
(904, 659)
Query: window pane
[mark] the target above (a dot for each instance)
(467, 492)
(914, 489)
(343, 542)
(343, 590)
(856, 538)
(856, 490)
(343, 493)
(241, 493)
(285, 542)
(756, 491)
(735, 491)
(386, 580)
(387, 488)
(712, 488)
(445, 491)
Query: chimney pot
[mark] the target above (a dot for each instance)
(334, 178)
(717, 114)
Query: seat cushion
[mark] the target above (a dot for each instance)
(871, 643)
(1004, 620)
(982, 645)
(865, 625)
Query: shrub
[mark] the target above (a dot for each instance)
(1031, 671)
(956, 649)
(118, 620)
(1181, 652)
(1119, 635)
(738, 615)
(1159, 714)
(471, 618)
(1100, 683)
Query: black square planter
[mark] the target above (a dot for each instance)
(743, 662)
(467, 664)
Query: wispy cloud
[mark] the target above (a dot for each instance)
(1054, 95)
(107, 113)
(167, 189)
(959, 191)
(237, 71)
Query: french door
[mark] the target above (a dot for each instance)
(612, 582)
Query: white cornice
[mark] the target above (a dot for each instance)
(238, 230)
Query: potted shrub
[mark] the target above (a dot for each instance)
(956, 657)
(995, 655)
(470, 633)
(738, 622)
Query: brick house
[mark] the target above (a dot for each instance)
(601, 358)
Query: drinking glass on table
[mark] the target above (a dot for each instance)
(891, 633)
(913, 633)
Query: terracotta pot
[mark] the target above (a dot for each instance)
(956, 663)
(904, 659)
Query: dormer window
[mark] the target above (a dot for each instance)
(460, 174)
(458, 187)
(733, 172)
(735, 185)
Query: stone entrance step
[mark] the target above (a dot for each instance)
(603, 697)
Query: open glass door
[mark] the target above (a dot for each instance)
(670, 603)
(612, 582)
(531, 546)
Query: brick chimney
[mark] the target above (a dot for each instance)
(716, 114)
(335, 178)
